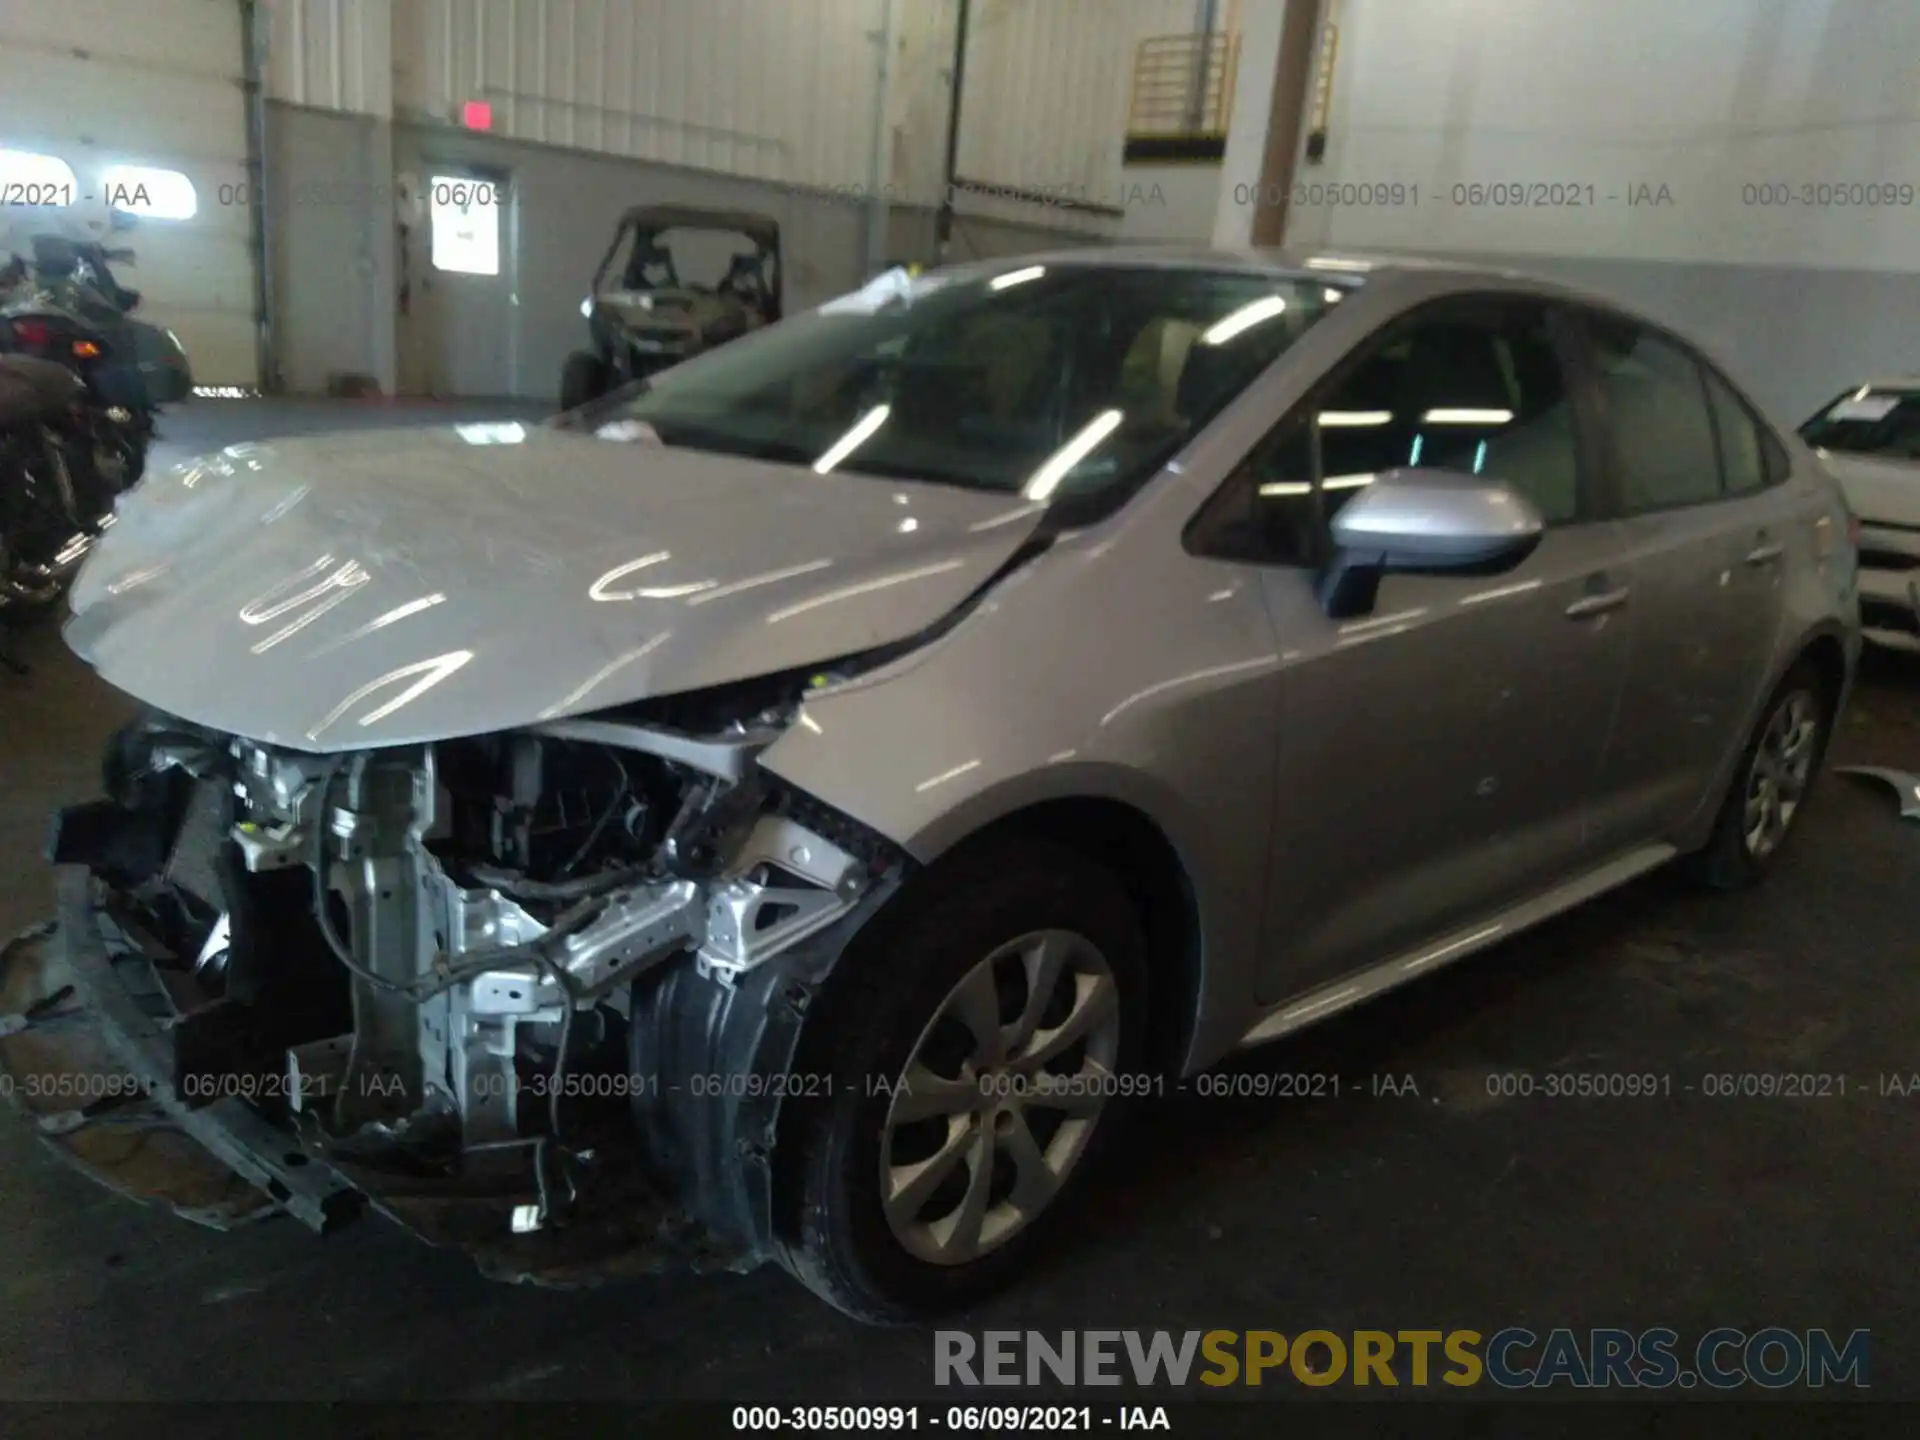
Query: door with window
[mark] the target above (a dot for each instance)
(1437, 755)
(1695, 477)
(458, 299)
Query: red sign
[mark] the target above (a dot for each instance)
(477, 115)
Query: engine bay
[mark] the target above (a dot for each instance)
(441, 965)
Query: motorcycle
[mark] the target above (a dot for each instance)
(53, 498)
(65, 305)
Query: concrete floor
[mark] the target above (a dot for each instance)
(1442, 1209)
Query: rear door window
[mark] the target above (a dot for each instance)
(1654, 400)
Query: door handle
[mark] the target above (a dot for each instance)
(1588, 606)
(1766, 553)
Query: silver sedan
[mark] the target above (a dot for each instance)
(878, 750)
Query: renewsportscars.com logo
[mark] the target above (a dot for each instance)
(1514, 1358)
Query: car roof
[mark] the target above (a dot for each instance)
(1424, 275)
(1283, 261)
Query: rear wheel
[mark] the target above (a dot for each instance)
(979, 1041)
(1775, 774)
(582, 378)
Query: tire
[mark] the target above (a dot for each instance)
(28, 597)
(582, 378)
(884, 1005)
(1731, 859)
(22, 593)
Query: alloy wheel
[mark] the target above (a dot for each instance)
(1782, 766)
(1000, 1096)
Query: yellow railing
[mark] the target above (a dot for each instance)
(1183, 84)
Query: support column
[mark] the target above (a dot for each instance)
(1265, 131)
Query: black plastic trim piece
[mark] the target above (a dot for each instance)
(308, 1189)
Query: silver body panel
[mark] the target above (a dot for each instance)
(392, 587)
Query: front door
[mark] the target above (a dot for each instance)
(1438, 755)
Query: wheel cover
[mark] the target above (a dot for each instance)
(1782, 766)
(1000, 1096)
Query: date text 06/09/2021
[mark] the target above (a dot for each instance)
(955, 1419)
(1462, 194)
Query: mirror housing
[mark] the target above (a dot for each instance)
(1426, 522)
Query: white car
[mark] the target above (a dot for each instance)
(1870, 440)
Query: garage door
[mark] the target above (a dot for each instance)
(144, 105)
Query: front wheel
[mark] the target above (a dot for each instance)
(981, 1037)
(1775, 773)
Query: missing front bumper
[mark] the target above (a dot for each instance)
(86, 1051)
(88, 1055)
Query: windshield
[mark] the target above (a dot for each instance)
(1045, 381)
(1872, 420)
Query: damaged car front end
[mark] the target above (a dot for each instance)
(768, 813)
(451, 979)
(513, 942)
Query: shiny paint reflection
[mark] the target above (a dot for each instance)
(431, 673)
(346, 575)
(1057, 466)
(380, 622)
(510, 433)
(753, 582)
(1253, 313)
(945, 775)
(858, 435)
(599, 677)
(1016, 277)
(865, 587)
(600, 590)
(1212, 672)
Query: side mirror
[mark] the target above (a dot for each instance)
(1426, 521)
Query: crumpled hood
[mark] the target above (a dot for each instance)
(1878, 491)
(391, 587)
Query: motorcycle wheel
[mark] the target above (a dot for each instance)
(39, 558)
(26, 587)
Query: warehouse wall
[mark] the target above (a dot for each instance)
(1663, 122)
(1047, 83)
(79, 83)
(567, 203)
(601, 104)
(331, 242)
(782, 92)
(332, 54)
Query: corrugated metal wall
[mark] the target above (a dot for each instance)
(740, 86)
(332, 54)
(778, 90)
(81, 81)
(1047, 81)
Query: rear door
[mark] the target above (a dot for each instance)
(1707, 527)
